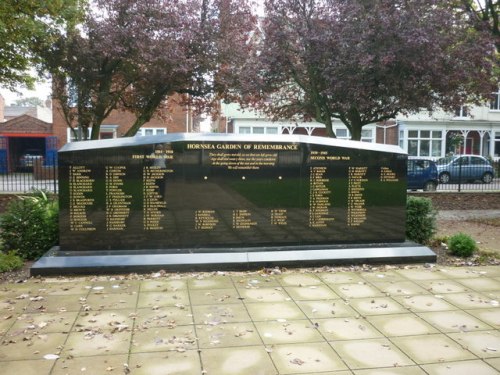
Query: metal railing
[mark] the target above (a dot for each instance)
(470, 177)
(45, 178)
(37, 178)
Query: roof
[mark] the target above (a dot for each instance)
(25, 124)
(41, 113)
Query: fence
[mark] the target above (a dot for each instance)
(469, 175)
(45, 178)
(39, 177)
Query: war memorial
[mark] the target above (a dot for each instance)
(218, 201)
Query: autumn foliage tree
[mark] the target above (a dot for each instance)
(365, 61)
(134, 55)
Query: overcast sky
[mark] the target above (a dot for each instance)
(42, 91)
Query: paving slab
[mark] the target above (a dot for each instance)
(400, 370)
(220, 313)
(167, 316)
(312, 358)
(489, 316)
(421, 303)
(432, 348)
(99, 364)
(383, 320)
(377, 306)
(227, 335)
(161, 363)
(353, 328)
(362, 354)
(400, 288)
(311, 292)
(326, 308)
(238, 361)
(460, 368)
(401, 325)
(484, 344)
(454, 321)
(27, 367)
(493, 362)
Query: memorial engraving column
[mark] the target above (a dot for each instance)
(80, 184)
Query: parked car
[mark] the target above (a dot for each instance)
(28, 158)
(422, 174)
(465, 168)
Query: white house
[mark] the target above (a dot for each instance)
(421, 134)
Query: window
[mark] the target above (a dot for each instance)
(106, 131)
(366, 134)
(342, 134)
(495, 101)
(258, 130)
(462, 111)
(401, 138)
(106, 135)
(71, 135)
(150, 131)
(478, 161)
(424, 143)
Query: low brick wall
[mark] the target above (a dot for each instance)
(462, 200)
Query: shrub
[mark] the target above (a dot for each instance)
(462, 245)
(420, 219)
(30, 225)
(10, 261)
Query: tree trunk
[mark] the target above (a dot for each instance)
(147, 111)
(329, 128)
(356, 132)
(139, 121)
(355, 122)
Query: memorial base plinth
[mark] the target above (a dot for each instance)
(56, 262)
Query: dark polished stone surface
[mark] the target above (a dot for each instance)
(229, 191)
(200, 201)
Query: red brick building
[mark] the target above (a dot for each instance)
(179, 119)
(42, 130)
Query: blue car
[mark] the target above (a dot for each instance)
(465, 168)
(422, 174)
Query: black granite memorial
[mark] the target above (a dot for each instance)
(195, 200)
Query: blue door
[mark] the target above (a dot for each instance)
(4, 155)
(51, 151)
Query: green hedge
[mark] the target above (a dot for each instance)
(420, 219)
(30, 225)
(462, 245)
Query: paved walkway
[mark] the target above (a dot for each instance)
(413, 320)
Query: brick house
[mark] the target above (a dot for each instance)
(179, 119)
(42, 130)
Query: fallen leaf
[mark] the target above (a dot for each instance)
(297, 361)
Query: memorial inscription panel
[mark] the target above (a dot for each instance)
(180, 194)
